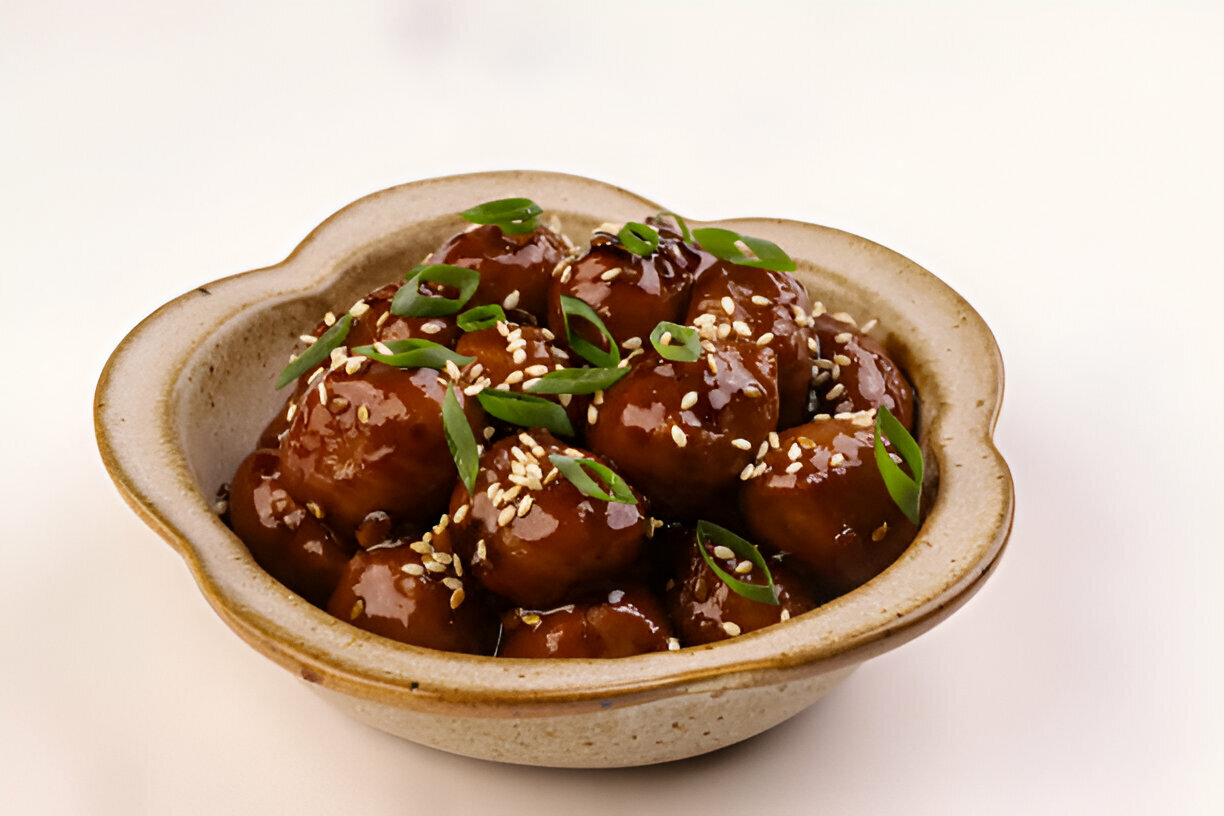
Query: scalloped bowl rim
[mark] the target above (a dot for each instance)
(961, 539)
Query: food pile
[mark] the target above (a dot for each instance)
(530, 449)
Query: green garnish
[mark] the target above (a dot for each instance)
(526, 410)
(722, 243)
(481, 317)
(460, 439)
(409, 301)
(572, 469)
(414, 353)
(319, 351)
(639, 238)
(708, 531)
(573, 307)
(689, 349)
(513, 215)
(905, 490)
(578, 380)
(684, 230)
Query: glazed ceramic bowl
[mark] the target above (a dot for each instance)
(183, 399)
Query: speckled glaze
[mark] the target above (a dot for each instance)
(184, 397)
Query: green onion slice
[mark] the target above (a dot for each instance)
(639, 238)
(409, 301)
(460, 439)
(573, 469)
(526, 410)
(689, 348)
(578, 380)
(319, 351)
(513, 215)
(481, 317)
(573, 307)
(414, 353)
(905, 490)
(684, 230)
(709, 532)
(722, 243)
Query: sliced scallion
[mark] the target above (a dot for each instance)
(513, 216)
(708, 531)
(460, 439)
(904, 489)
(318, 352)
(572, 468)
(639, 238)
(689, 348)
(414, 353)
(526, 410)
(572, 307)
(410, 301)
(578, 380)
(481, 317)
(724, 244)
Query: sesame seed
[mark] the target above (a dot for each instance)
(552, 474)
(434, 566)
(525, 506)
(329, 319)
(506, 515)
(599, 397)
(461, 513)
(741, 443)
(879, 532)
(574, 452)
(481, 552)
(813, 346)
(529, 618)
(759, 470)
(712, 362)
(511, 300)
(760, 300)
(512, 493)
(452, 370)
(337, 404)
(743, 567)
(493, 488)
(315, 510)
(308, 339)
(422, 547)
(513, 377)
(458, 566)
(746, 473)
(519, 357)
(741, 328)
(765, 339)
(820, 417)
(592, 414)
(561, 266)
(665, 338)
(473, 390)
(382, 318)
(724, 331)
(728, 305)
(688, 400)
(353, 364)
(456, 599)
(723, 553)
(291, 412)
(413, 569)
(773, 440)
(731, 628)
(432, 327)
(502, 328)
(517, 453)
(487, 433)
(610, 274)
(565, 274)
(785, 616)
(841, 359)
(538, 370)
(837, 460)
(565, 399)
(678, 436)
(845, 317)
(835, 392)
(752, 392)
(358, 608)
(805, 443)
(762, 450)
(616, 595)
(793, 452)
(673, 645)
(869, 325)
(452, 583)
(322, 394)
(793, 467)
(383, 348)
(703, 320)
(632, 343)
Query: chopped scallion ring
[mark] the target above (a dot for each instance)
(639, 238)
(481, 317)
(410, 301)
(689, 348)
(573, 307)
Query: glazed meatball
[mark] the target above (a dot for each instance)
(683, 432)
(375, 322)
(742, 303)
(284, 536)
(705, 609)
(515, 270)
(373, 441)
(630, 293)
(529, 535)
(618, 623)
(821, 498)
(412, 593)
(856, 374)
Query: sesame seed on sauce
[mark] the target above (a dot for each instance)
(529, 618)
(565, 399)
(712, 362)
(337, 404)
(432, 327)
(538, 370)
(760, 468)
(610, 274)
(724, 331)
(422, 547)
(481, 551)
(773, 440)
(473, 389)
(561, 266)
(673, 644)
(291, 412)
(502, 328)
(322, 394)
(731, 628)
(806, 443)
(723, 553)
(794, 452)
(511, 300)
(506, 515)
(704, 320)
(765, 339)
(488, 432)
(752, 392)
(743, 567)
(869, 325)
(525, 506)
(785, 616)
(761, 451)
(598, 398)
(308, 339)
(358, 608)
(728, 305)
(688, 400)
(382, 318)
(514, 377)
(845, 317)
(413, 569)
(747, 472)
(315, 510)
(741, 328)
(760, 300)
(461, 513)
(329, 319)
(456, 598)
(443, 557)
(678, 436)
(592, 414)
(837, 460)
(452, 583)
(741, 443)
(835, 392)
(632, 343)
(841, 359)
(794, 467)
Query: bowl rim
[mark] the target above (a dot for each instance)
(922, 588)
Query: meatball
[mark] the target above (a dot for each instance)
(857, 374)
(706, 609)
(284, 536)
(683, 432)
(744, 303)
(373, 440)
(413, 594)
(629, 292)
(820, 497)
(618, 623)
(515, 270)
(529, 535)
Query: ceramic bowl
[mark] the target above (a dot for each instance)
(184, 396)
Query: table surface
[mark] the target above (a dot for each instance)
(1058, 164)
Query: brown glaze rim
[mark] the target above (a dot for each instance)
(948, 349)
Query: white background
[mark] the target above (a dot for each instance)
(1057, 163)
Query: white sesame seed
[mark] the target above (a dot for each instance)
(514, 377)
(382, 348)
(599, 397)
(488, 432)
(452, 583)
(763, 449)
(561, 266)
(793, 467)
(525, 506)
(765, 339)
(837, 460)
(413, 569)
(835, 392)
(592, 414)
(741, 443)
(723, 552)
(741, 328)
(678, 436)
(785, 616)
(443, 557)
(616, 595)
(432, 327)
(456, 599)
(565, 399)
(506, 515)
(813, 346)
(773, 440)
(845, 317)
(743, 567)
(724, 331)
(329, 319)
(502, 328)
(632, 343)
(793, 453)
(565, 274)
(511, 300)
(434, 566)
(731, 628)
(841, 359)
(673, 644)
(760, 300)
(422, 547)
(461, 513)
(746, 473)
(519, 356)
(291, 412)
(382, 318)
(760, 468)
(665, 338)
(610, 274)
(704, 320)
(452, 370)
(538, 370)
(481, 552)
(473, 390)
(308, 339)
(712, 362)
(879, 532)
(728, 305)
(322, 394)
(688, 400)
(869, 325)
